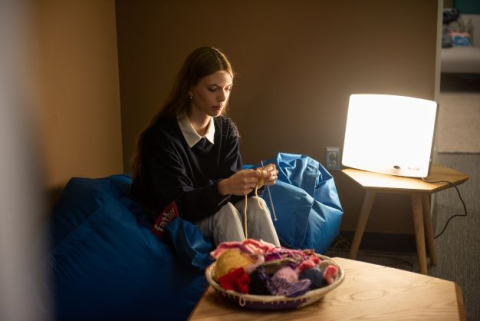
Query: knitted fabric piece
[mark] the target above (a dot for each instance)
(236, 280)
(281, 286)
(271, 267)
(310, 260)
(250, 246)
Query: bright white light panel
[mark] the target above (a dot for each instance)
(390, 134)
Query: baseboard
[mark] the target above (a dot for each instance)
(388, 242)
(452, 82)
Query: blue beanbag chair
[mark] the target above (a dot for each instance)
(105, 264)
(306, 203)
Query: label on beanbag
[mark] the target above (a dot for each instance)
(168, 214)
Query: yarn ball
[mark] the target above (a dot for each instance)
(288, 274)
(315, 275)
(257, 283)
(230, 260)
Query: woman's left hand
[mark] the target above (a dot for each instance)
(270, 174)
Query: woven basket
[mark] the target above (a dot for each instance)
(276, 302)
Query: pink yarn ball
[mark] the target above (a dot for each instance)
(287, 273)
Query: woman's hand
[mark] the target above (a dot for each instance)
(240, 183)
(244, 181)
(270, 174)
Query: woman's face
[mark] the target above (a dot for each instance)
(210, 95)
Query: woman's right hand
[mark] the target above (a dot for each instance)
(241, 183)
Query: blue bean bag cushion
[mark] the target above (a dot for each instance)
(306, 203)
(105, 264)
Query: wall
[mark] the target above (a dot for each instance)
(297, 62)
(78, 89)
(467, 6)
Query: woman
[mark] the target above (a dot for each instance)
(190, 154)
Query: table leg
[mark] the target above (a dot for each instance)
(427, 220)
(419, 232)
(362, 222)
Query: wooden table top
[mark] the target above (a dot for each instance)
(369, 292)
(397, 184)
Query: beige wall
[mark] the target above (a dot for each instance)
(78, 89)
(297, 62)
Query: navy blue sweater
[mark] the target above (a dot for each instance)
(174, 171)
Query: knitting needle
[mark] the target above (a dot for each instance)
(270, 196)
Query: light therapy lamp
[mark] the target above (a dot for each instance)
(390, 134)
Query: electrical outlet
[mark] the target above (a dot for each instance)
(332, 158)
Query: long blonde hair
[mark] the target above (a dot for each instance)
(199, 63)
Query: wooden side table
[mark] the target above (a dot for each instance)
(419, 190)
(369, 292)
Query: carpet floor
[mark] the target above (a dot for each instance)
(458, 127)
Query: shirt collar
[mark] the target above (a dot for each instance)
(191, 136)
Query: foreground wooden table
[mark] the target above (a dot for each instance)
(419, 191)
(369, 292)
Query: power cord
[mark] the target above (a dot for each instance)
(340, 240)
(461, 200)
(398, 260)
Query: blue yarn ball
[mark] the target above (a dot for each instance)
(315, 275)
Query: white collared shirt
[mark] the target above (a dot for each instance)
(191, 136)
